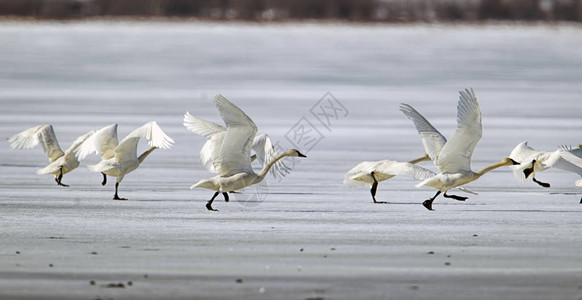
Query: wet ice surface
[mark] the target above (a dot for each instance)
(311, 237)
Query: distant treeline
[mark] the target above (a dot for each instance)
(285, 10)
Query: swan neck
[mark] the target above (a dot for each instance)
(417, 160)
(261, 175)
(145, 154)
(492, 167)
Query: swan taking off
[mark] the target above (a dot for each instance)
(120, 158)
(372, 172)
(453, 157)
(228, 151)
(60, 162)
(532, 161)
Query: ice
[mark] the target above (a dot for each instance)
(311, 237)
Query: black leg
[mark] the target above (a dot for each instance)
(116, 197)
(60, 177)
(225, 197)
(209, 204)
(458, 198)
(428, 203)
(529, 170)
(544, 184)
(104, 182)
(374, 189)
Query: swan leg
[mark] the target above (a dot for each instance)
(116, 197)
(428, 203)
(544, 184)
(529, 170)
(458, 198)
(104, 182)
(225, 197)
(59, 178)
(374, 188)
(209, 204)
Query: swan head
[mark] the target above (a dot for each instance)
(295, 153)
(509, 162)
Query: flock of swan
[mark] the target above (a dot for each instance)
(227, 153)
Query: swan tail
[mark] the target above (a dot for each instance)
(50, 169)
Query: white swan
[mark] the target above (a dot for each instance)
(120, 158)
(371, 172)
(453, 157)
(262, 145)
(228, 150)
(60, 162)
(532, 161)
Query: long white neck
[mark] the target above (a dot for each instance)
(492, 167)
(417, 160)
(261, 175)
(145, 154)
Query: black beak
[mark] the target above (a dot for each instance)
(300, 154)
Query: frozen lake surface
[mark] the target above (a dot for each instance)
(310, 237)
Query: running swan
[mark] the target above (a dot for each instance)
(61, 162)
(370, 172)
(532, 161)
(120, 158)
(228, 151)
(453, 157)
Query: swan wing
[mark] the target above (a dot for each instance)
(396, 168)
(103, 141)
(70, 153)
(202, 127)
(432, 139)
(234, 155)
(41, 134)
(570, 161)
(127, 149)
(522, 153)
(213, 132)
(456, 153)
(266, 152)
(153, 134)
(211, 150)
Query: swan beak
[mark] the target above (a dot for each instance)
(299, 154)
(513, 162)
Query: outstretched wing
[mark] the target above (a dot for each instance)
(153, 134)
(396, 168)
(265, 152)
(41, 134)
(103, 141)
(432, 139)
(235, 150)
(70, 153)
(571, 160)
(213, 132)
(456, 154)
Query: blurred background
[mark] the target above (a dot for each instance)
(282, 10)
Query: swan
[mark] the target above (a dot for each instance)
(61, 162)
(453, 157)
(532, 161)
(373, 172)
(120, 158)
(228, 151)
(370, 172)
(262, 145)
